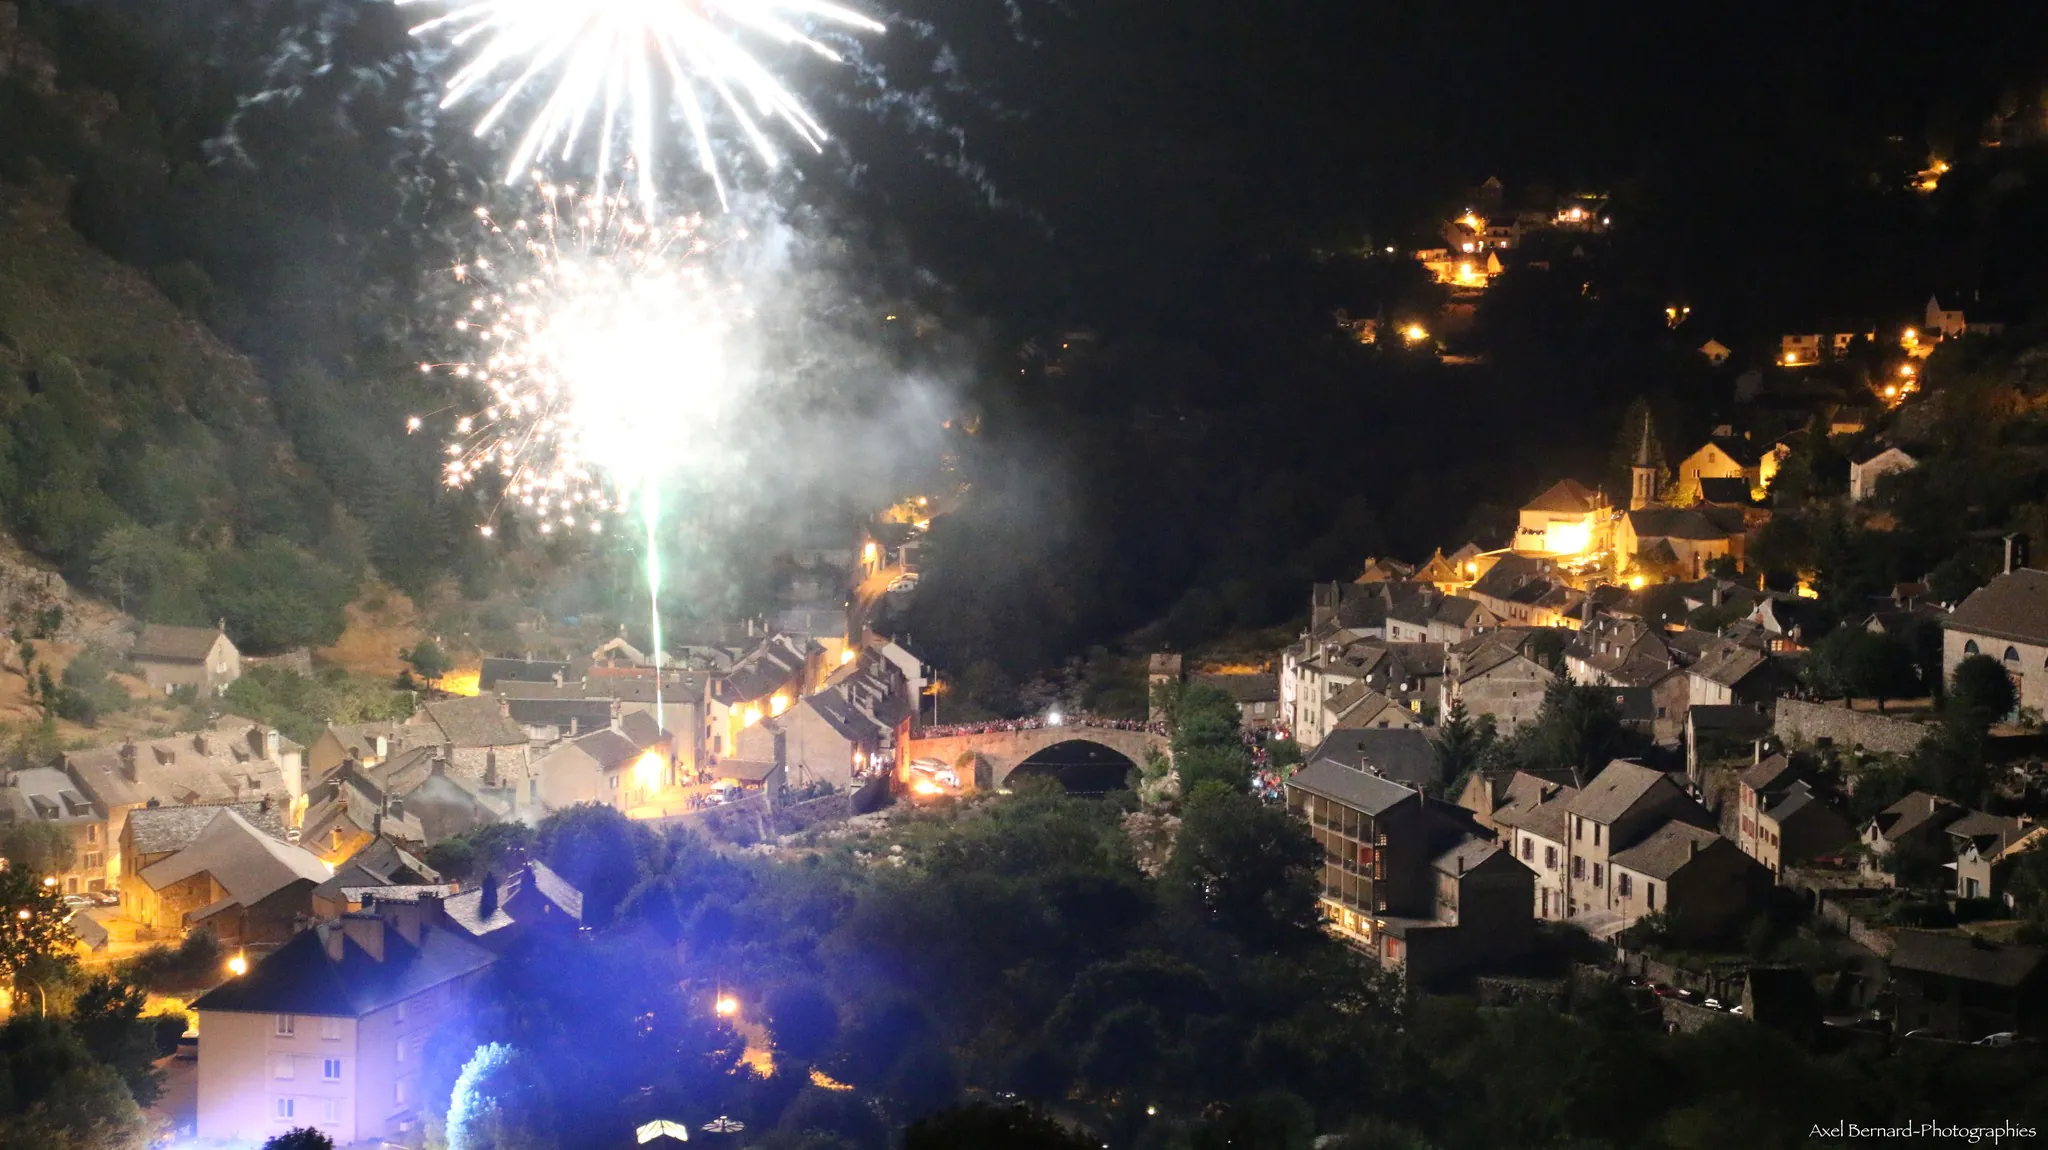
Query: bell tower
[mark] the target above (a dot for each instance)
(1643, 468)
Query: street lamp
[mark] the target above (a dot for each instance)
(238, 965)
(726, 1006)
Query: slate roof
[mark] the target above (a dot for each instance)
(1566, 496)
(609, 748)
(642, 729)
(160, 643)
(1907, 815)
(380, 863)
(1470, 852)
(2012, 606)
(1353, 788)
(1728, 663)
(46, 794)
(250, 865)
(587, 714)
(495, 671)
(775, 662)
(1970, 959)
(1404, 755)
(176, 770)
(745, 770)
(1614, 791)
(1727, 492)
(465, 910)
(1768, 774)
(1666, 851)
(1795, 798)
(1747, 452)
(1980, 825)
(161, 830)
(299, 978)
(1685, 522)
(476, 722)
(1536, 805)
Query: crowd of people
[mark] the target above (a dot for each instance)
(1037, 722)
(1267, 779)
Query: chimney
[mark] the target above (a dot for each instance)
(1692, 848)
(558, 678)
(574, 725)
(366, 931)
(199, 743)
(128, 759)
(1461, 864)
(332, 940)
(272, 744)
(488, 904)
(504, 707)
(397, 808)
(2015, 552)
(383, 747)
(406, 917)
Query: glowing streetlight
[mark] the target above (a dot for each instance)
(1055, 718)
(238, 965)
(50, 882)
(1636, 582)
(1415, 333)
(726, 1006)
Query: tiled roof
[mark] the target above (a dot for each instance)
(1666, 851)
(1981, 825)
(1907, 815)
(299, 978)
(159, 643)
(1614, 791)
(2012, 606)
(379, 863)
(1683, 523)
(1728, 663)
(46, 794)
(586, 714)
(1353, 788)
(495, 671)
(1732, 491)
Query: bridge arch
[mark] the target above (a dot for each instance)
(1003, 751)
(1084, 766)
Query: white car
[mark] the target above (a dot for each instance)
(903, 583)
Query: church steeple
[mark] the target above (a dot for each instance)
(1643, 467)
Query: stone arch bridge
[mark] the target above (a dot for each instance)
(1005, 751)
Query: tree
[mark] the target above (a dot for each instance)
(1247, 869)
(1577, 728)
(1462, 745)
(32, 918)
(1980, 693)
(1857, 663)
(802, 1020)
(987, 1126)
(146, 571)
(38, 846)
(495, 848)
(108, 1018)
(598, 850)
(300, 1138)
(500, 1102)
(53, 1095)
(427, 658)
(275, 597)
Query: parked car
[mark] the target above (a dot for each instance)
(903, 583)
(1712, 1004)
(77, 902)
(107, 897)
(2002, 1038)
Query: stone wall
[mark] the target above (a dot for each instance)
(1806, 723)
(793, 817)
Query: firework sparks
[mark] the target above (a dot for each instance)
(599, 348)
(630, 62)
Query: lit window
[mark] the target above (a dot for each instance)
(284, 1108)
(330, 1069)
(287, 1025)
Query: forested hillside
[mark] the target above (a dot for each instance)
(144, 249)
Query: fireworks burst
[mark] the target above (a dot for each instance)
(600, 357)
(633, 60)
